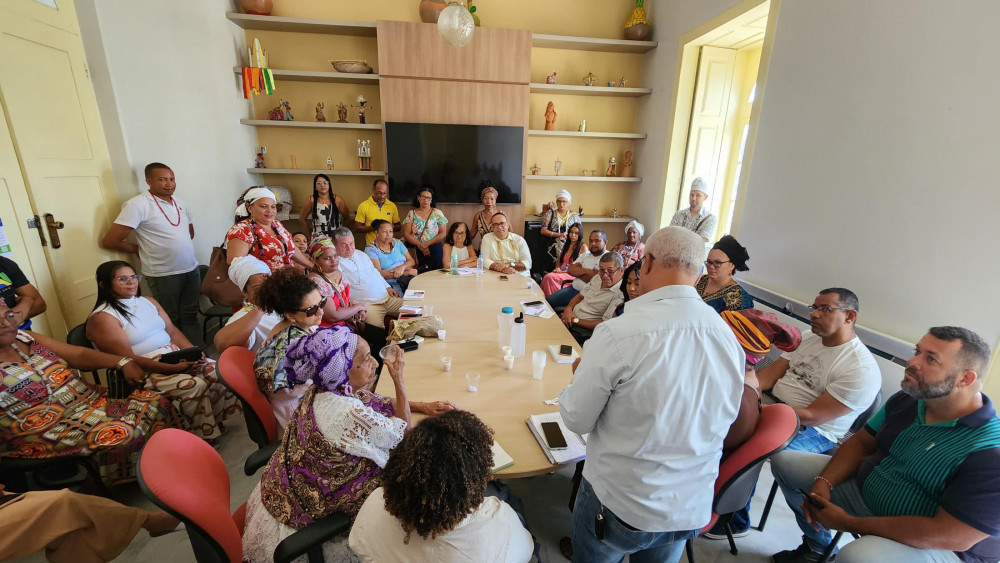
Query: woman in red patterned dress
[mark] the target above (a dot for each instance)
(262, 236)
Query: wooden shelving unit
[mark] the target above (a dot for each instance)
(591, 44)
(315, 76)
(590, 218)
(302, 25)
(587, 135)
(630, 179)
(538, 88)
(313, 172)
(310, 124)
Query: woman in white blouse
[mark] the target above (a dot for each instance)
(457, 242)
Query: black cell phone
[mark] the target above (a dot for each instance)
(409, 345)
(812, 502)
(192, 354)
(554, 436)
(504, 278)
(565, 350)
(532, 303)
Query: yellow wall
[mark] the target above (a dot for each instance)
(588, 18)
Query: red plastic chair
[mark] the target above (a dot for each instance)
(738, 473)
(184, 476)
(235, 370)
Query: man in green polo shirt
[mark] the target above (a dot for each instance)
(921, 481)
(377, 206)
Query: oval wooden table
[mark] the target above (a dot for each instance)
(469, 307)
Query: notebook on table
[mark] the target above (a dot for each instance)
(576, 447)
(501, 459)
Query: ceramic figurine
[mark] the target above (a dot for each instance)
(614, 213)
(583, 126)
(590, 79)
(259, 161)
(558, 165)
(329, 163)
(627, 164)
(622, 82)
(295, 164)
(550, 117)
(611, 167)
(283, 112)
(364, 154)
(581, 211)
(584, 172)
(593, 173)
(319, 112)
(551, 79)
(341, 113)
(362, 107)
(535, 169)
(637, 27)
(611, 84)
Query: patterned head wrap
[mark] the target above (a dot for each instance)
(565, 194)
(736, 252)
(637, 226)
(253, 194)
(487, 190)
(324, 357)
(319, 244)
(756, 331)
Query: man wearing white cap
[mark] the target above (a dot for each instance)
(697, 217)
(163, 228)
(249, 326)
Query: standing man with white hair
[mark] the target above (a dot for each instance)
(697, 217)
(631, 249)
(164, 231)
(657, 389)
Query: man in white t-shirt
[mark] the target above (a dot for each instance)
(163, 228)
(829, 380)
(584, 268)
(250, 326)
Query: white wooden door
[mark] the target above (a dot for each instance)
(703, 155)
(60, 153)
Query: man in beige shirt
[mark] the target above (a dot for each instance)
(598, 300)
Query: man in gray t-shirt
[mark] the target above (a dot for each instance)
(697, 217)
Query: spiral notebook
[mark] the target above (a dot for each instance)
(576, 447)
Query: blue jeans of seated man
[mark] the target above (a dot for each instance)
(620, 539)
(562, 297)
(178, 294)
(808, 440)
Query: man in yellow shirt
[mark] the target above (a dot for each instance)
(377, 206)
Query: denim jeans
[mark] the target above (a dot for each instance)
(808, 440)
(178, 294)
(562, 297)
(433, 261)
(620, 539)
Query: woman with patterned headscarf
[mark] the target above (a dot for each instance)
(336, 443)
(332, 286)
(481, 222)
(631, 249)
(556, 224)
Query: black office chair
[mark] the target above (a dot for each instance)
(211, 310)
(856, 427)
(77, 336)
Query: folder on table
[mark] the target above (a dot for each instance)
(576, 448)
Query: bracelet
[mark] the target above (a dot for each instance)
(122, 362)
(825, 480)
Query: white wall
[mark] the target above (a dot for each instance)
(875, 162)
(164, 80)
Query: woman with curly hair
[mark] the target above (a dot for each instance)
(296, 299)
(433, 505)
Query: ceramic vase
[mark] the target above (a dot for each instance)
(431, 9)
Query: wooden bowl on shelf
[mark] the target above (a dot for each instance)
(354, 67)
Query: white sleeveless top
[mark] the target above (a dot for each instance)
(146, 331)
(462, 253)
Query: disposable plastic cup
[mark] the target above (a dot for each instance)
(446, 363)
(537, 364)
(428, 310)
(508, 362)
(388, 353)
(441, 334)
(506, 350)
(473, 379)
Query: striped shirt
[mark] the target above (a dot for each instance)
(953, 465)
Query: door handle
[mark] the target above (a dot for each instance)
(54, 227)
(36, 223)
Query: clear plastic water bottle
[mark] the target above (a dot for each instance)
(479, 266)
(506, 322)
(454, 264)
(517, 337)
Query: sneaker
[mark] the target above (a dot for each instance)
(718, 532)
(801, 554)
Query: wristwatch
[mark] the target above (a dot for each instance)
(576, 320)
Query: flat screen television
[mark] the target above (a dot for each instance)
(455, 160)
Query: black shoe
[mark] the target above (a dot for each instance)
(718, 532)
(801, 554)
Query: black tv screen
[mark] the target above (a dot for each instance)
(455, 160)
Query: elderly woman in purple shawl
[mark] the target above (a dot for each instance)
(336, 443)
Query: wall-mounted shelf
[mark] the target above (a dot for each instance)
(313, 172)
(302, 25)
(316, 76)
(538, 88)
(590, 218)
(584, 178)
(310, 124)
(591, 44)
(587, 135)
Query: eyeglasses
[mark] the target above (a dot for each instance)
(604, 272)
(425, 197)
(11, 318)
(125, 279)
(311, 311)
(826, 309)
(716, 263)
(504, 224)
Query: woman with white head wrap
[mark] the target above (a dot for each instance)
(556, 224)
(261, 235)
(631, 249)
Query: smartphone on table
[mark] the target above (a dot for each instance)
(554, 436)
(565, 350)
(504, 277)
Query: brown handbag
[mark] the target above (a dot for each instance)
(217, 285)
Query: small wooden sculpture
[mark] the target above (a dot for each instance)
(341, 113)
(550, 117)
(535, 169)
(295, 164)
(362, 107)
(551, 79)
(319, 112)
(282, 112)
(627, 164)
